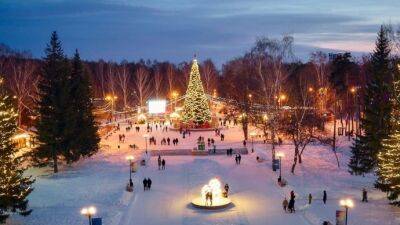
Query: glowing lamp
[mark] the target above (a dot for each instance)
(348, 203)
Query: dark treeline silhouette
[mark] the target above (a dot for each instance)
(265, 72)
(133, 82)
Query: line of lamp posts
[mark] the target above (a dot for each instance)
(346, 203)
(90, 211)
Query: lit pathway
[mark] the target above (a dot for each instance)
(254, 192)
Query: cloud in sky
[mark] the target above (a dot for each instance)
(175, 29)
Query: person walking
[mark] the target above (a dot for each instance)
(324, 197)
(239, 158)
(364, 195)
(159, 162)
(163, 164)
(291, 202)
(226, 190)
(309, 198)
(285, 204)
(144, 184)
(149, 182)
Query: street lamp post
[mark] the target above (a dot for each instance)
(111, 98)
(130, 158)
(145, 140)
(89, 212)
(347, 203)
(252, 134)
(280, 155)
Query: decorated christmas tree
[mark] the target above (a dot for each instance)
(196, 108)
(389, 158)
(14, 187)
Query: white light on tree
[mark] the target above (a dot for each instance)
(157, 106)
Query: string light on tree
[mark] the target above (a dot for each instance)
(14, 187)
(388, 159)
(196, 108)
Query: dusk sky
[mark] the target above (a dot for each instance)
(176, 29)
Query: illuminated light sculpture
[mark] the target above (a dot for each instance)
(211, 196)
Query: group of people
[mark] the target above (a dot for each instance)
(238, 158)
(210, 141)
(152, 141)
(288, 206)
(165, 141)
(229, 152)
(185, 132)
(175, 141)
(161, 163)
(121, 138)
(224, 121)
(147, 184)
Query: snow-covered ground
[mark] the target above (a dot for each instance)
(256, 197)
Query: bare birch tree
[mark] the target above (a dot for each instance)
(171, 78)
(209, 76)
(158, 79)
(269, 57)
(123, 78)
(23, 83)
(319, 61)
(301, 122)
(142, 85)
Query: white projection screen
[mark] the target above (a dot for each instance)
(157, 106)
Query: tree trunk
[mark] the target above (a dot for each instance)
(296, 154)
(245, 126)
(334, 135)
(300, 159)
(55, 163)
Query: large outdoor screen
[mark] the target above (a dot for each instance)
(157, 106)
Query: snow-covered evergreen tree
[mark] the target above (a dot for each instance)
(376, 120)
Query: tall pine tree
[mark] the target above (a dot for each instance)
(85, 137)
(14, 187)
(376, 120)
(54, 106)
(389, 158)
(66, 127)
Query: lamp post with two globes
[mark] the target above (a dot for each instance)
(280, 155)
(146, 136)
(130, 158)
(347, 203)
(89, 212)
